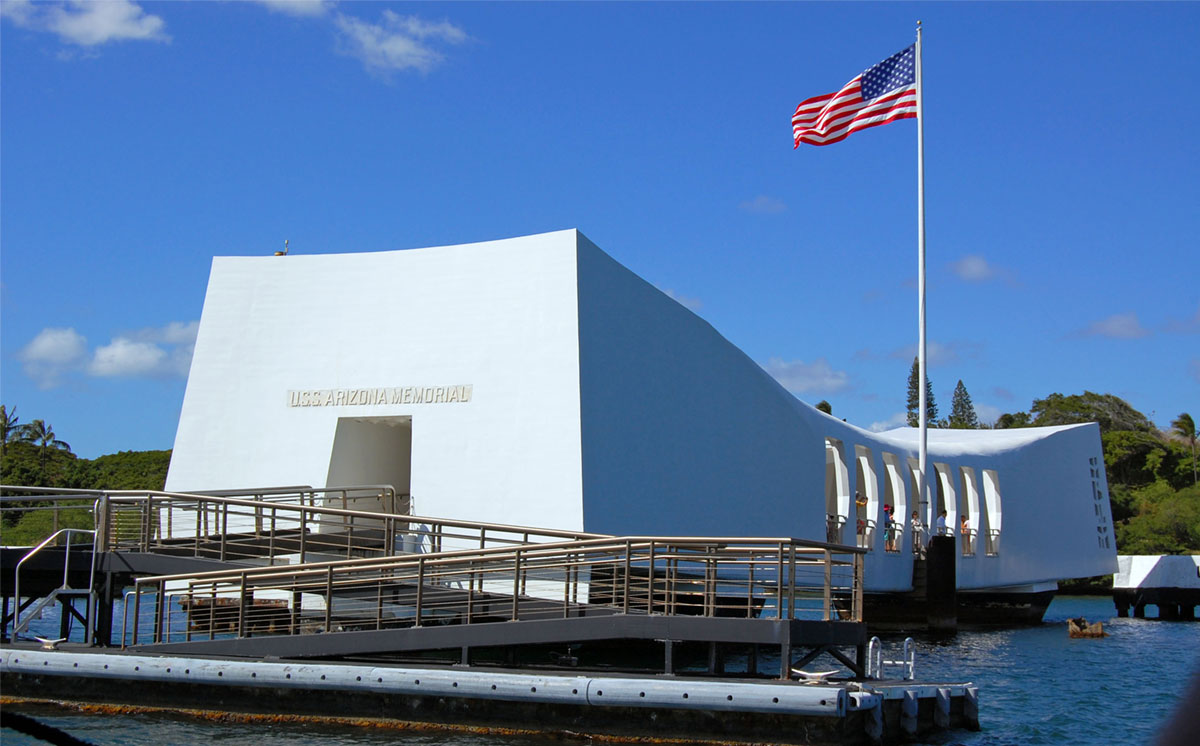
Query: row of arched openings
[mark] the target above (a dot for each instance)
(854, 508)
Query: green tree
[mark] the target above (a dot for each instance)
(825, 407)
(1110, 412)
(1132, 457)
(914, 399)
(42, 435)
(962, 411)
(1185, 427)
(10, 429)
(1167, 521)
(1013, 419)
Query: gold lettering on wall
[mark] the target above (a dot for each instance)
(380, 396)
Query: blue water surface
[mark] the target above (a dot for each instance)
(1037, 686)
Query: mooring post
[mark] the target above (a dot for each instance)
(874, 722)
(941, 712)
(971, 708)
(941, 594)
(909, 709)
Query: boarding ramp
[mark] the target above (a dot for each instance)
(138, 533)
(775, 591)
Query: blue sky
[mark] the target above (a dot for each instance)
(138, 140)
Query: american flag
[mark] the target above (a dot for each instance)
(883, 93)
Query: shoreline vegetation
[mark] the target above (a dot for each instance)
(1152, 474)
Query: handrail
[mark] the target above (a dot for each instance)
(708, 576)
(66, 572)
(876, 661)
(269, 528)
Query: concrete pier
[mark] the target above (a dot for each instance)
(1169, 582)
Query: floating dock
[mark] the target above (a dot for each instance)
(682, 707)
(274, 606)
(1169, 582)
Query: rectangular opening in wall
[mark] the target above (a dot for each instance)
(371, 451)
(837, 490)
(993, 508)
(894, 495)
(866, 497)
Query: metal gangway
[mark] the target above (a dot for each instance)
(666, 589)
(288, 525)
(152, 532)
(291, 573)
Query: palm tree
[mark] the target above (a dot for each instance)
(10, 430)
(1185, 426)
(43, 435)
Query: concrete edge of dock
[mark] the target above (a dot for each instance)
(691, 708)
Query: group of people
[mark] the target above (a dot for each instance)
(917, 527)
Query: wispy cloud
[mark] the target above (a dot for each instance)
(302, 8)
(986, 413)
(1117, 326)
(799, 377)
(686, 301)
(763, 205)
(397, 42)
(973, 268)
(87, 24)
(51, 354)
(899, 419)
(937, 353)
(158, 352)
(1184, 326)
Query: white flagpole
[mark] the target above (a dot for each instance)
(922, 480)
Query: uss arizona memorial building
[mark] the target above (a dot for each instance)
(536, 381)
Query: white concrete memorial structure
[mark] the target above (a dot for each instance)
(537, 381)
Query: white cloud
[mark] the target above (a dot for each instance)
(20, 12)
(687, 302)
(763, 205)
(88, 24)
(53, 353)
(900, 419)
(1117, 326)
(973, 268)
(986, 413)
(397, 42)
(174, 333)
(156, 352)
(800, 377)
(302, 8)
(126, 358)
(937, 353)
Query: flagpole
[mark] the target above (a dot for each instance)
(922, 480)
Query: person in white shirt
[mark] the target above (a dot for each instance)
(941, 524)
(918, 534)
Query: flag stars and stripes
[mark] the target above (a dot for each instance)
(883, 93)
(897, 71)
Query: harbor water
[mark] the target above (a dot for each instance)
(1036, 687)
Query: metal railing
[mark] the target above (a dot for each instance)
(834, 524)
(893, 537)
(992, 542)
(967, 539)
(865, 528)
(275, 526)
(725, 577)
(876, 661)
(19, 624)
